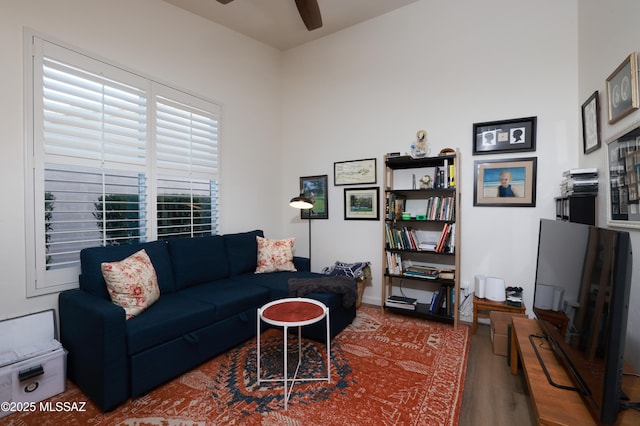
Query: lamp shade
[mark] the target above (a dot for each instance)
(301, 202)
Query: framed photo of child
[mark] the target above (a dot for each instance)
(505, 183)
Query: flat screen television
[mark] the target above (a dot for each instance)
(585, 271)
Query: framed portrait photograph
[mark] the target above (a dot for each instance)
(591, 123)
(315, 189)
(505, 183)
(357, 172)
(362, 203)
(623, 189)
(494, 137)
(622, 89)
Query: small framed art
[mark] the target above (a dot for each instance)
(355, 172)
(622, 89)
(591, 123)
(494, 137)
(315, 189)
(505, 183)
(361, 203)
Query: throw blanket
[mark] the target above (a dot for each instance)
(346, 286)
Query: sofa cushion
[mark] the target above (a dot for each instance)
(198, 260)
(242, 251)
(230, 297)
(172, 316)
(132, 283)
(91, 259)
(275, 255)
(276, 282)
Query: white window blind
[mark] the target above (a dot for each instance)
(116, 157)
(186, 163)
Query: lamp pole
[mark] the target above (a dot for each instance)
(303, 203)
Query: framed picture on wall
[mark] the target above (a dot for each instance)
(623, 189)
(355, 172)
(505, 183)
(494, 137)
(362, 203)
(315, 189)
(591, 123)
(622, 89)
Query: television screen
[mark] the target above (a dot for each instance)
(585, 272)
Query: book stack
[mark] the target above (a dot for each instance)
(421, 271)
(579, 182)
(402, 302)
(514, 296)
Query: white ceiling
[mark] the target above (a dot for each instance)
(277, 23)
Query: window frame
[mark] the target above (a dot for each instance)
(40, 279)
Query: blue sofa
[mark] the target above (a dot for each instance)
(209, 296)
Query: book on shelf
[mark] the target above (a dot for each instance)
(447, 274)
(402, 302)
(440, 301)
(421, 272)
(402, 299)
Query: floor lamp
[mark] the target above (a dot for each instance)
(303, 203)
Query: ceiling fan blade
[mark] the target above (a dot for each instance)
(310, 13)
(224, 1)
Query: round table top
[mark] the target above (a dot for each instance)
(293, 312)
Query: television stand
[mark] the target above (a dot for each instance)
(554, 406)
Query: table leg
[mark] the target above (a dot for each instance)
(258, 341)
(328, 348)
(514, 352)
(475, 318)
(286, 347)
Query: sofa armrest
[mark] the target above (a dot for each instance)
(302, 264)
(93, 331)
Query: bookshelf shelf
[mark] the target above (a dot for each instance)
(422, 234)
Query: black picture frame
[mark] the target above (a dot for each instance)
(362, 203)
(315, 188)
(515, 135)
(521, 191)
(591, 123)
(356, 172)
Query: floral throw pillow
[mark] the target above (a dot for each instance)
(275, 255)
(132, 283)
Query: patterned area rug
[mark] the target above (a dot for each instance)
(386, 369)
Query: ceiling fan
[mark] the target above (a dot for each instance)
(309, 12)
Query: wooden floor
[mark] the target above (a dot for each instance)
(492, 395)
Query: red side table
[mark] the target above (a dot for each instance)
(293, 312)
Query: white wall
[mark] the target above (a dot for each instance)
(439, 66)
(608, 34)
(174, 47)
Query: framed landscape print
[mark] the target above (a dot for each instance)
(505, 183)
(315, 189)
(622, 89)
(356, 172)
(362, 203)
(494, 137)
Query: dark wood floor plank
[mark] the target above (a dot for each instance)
(492, 395)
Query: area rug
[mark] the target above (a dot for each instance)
(386, 369)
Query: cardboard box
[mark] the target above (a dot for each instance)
(32, 362)
(500, 322)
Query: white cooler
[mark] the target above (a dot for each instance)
(32, 362)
